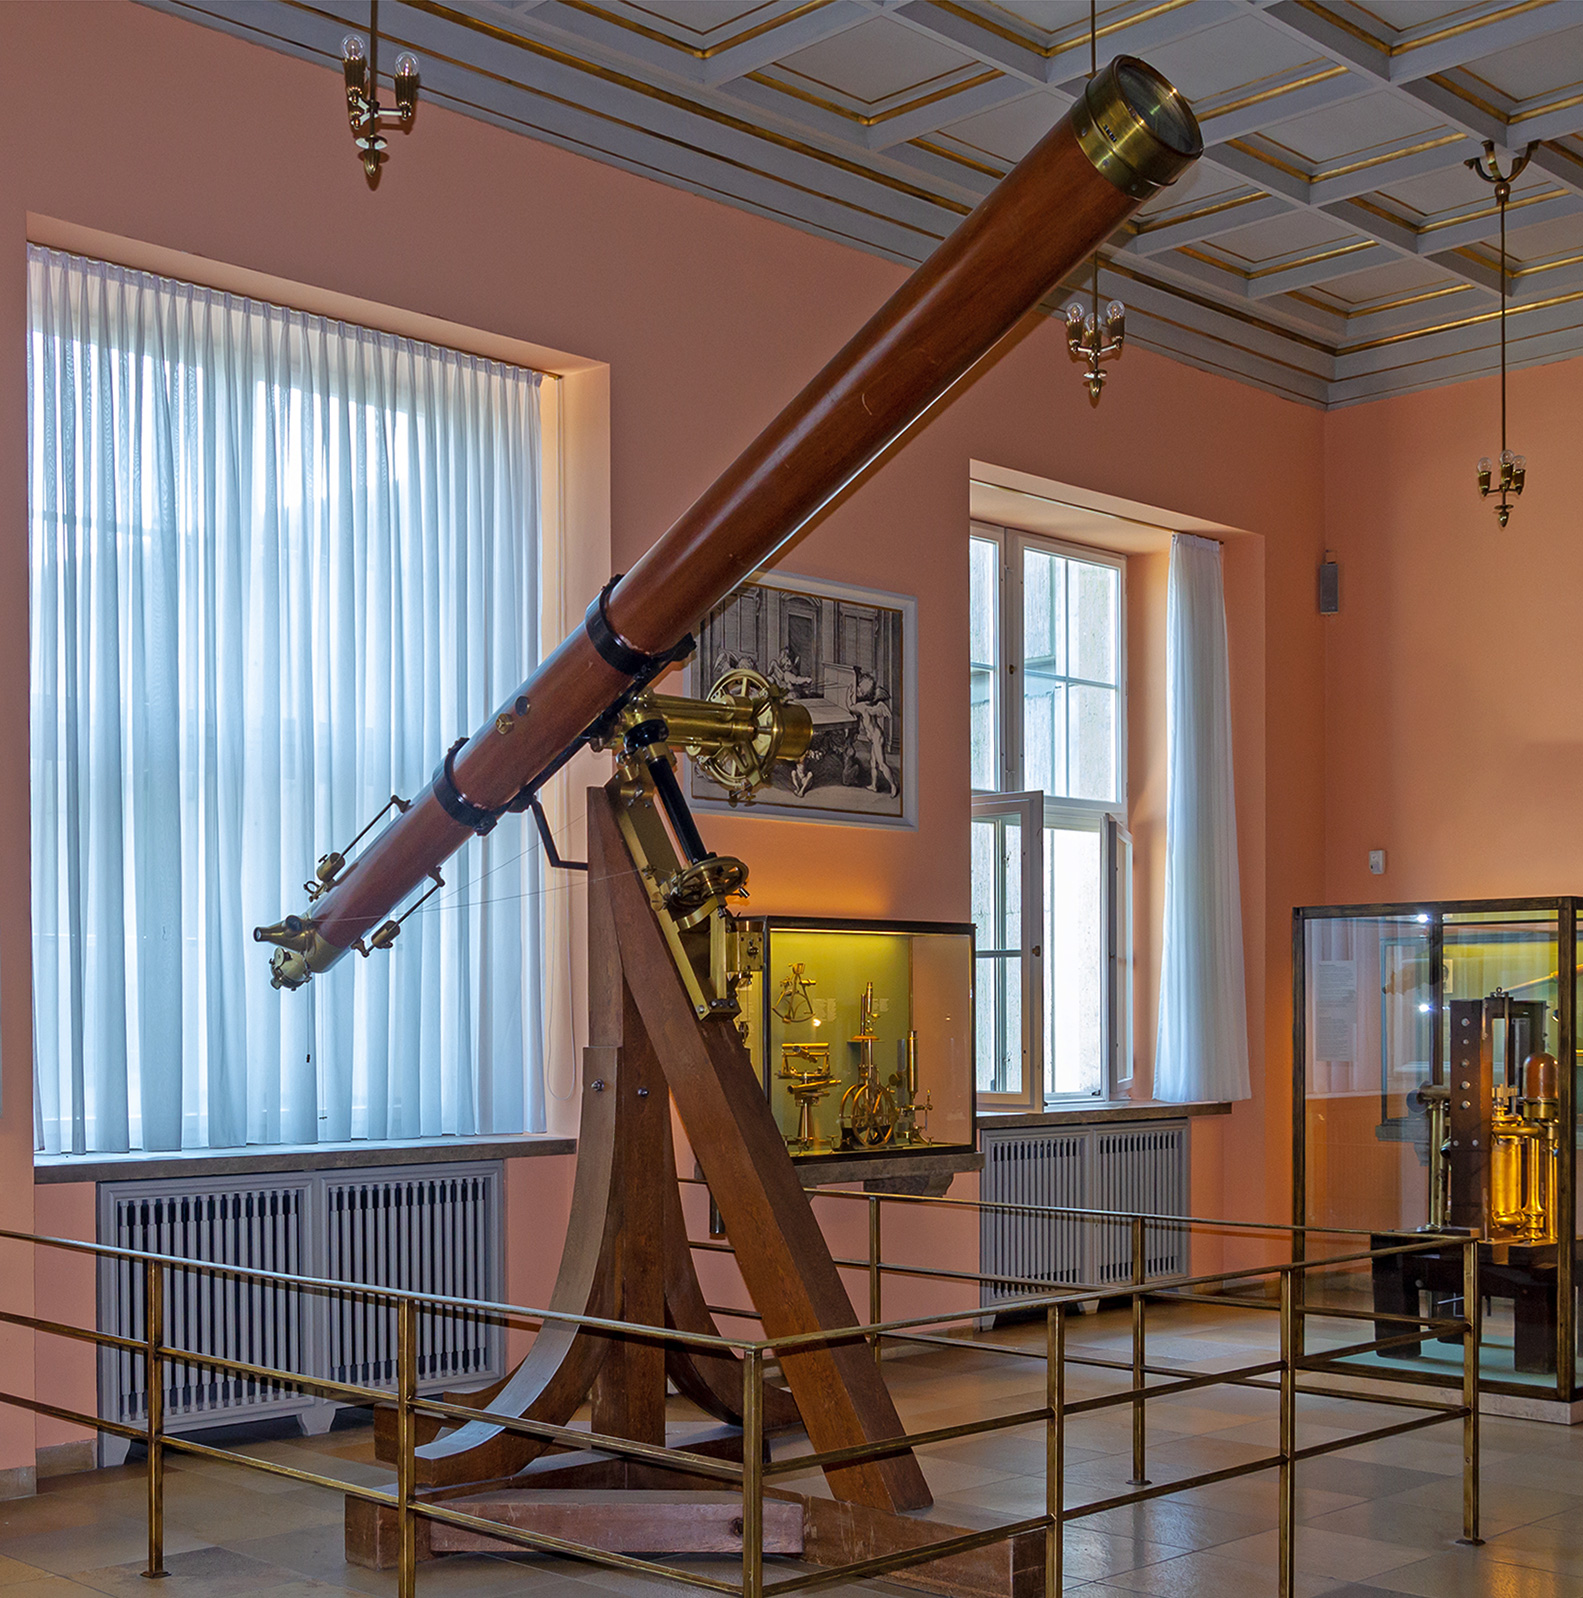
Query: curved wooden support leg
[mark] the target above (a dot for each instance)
(555, 1377)
(780, 1250)
(712, 1381)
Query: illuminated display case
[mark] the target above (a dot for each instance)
(862, 1033)
(1428, 1097)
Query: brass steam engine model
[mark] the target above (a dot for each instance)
(1493, 1124)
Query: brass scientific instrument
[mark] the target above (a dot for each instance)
(808, 1085)
(868, 1107)
(735, 736)
(1494, 1123)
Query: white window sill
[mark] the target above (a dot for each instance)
(1077, 1112)
(166, 1163)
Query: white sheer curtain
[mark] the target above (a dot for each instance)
(1202, 1051)
(279, 564)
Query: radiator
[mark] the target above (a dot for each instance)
(1138, 1168)
(436, 1229)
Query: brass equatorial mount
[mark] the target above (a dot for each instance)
(734, 736)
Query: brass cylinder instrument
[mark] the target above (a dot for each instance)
(1128, 135)
(1494, 1127)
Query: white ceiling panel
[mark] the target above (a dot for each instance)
(1315, 249)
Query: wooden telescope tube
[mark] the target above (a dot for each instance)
(1129, 135)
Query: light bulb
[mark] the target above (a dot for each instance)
(1074, 316)
(1484, 466)
(1115, 311)
(1521, 463)
(1088, 325)
(406, 65)
(1507, 458)
(352, 48)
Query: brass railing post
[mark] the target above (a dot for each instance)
(1473, 1314)
(875, 1293)
(1054, 1447)
(1288, 1447)
(406, 1445)
(1139, 1273)
(753, 1473)
(154, 1384)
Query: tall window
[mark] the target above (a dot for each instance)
(278, 564)
(1051, 855)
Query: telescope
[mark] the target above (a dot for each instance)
(1127, 136)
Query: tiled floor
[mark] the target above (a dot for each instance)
(1377, 1520)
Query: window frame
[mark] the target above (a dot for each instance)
(1027, 809)
(1106, 817)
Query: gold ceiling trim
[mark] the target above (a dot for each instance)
(1440, 223)
(1272, 94)
(1350, 313)
(697, 52)
(1152, 224)
(1468, 97)
(1435, 225)
(1466, 321)
(1390, 49)
(808, 97)
(1488, 19)
(1285, 266)
(1324, 174)
(1070, 41)
(1547, 266)
(996, 172)
(681, 144)
(1274, 329)
(1527, 113)
(679, 102)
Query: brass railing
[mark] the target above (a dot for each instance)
(755, 1474)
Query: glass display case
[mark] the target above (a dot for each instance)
(1428, 1097)
(862, 1033)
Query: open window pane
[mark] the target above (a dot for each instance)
(984, 646)
(1075, 974)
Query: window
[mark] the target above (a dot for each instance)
(278, 564)
(1051, 856)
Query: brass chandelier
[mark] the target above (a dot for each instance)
(363, 110)
(1508, 482)
(1090, 337)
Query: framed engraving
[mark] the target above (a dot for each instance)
(847, 656)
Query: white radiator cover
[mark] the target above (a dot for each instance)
(1138, 1168)
(434, 1228)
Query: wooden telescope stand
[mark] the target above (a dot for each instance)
(627, 1257)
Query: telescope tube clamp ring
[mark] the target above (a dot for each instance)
(617, 651)
(454, 803)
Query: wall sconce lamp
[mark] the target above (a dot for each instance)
(363, 110)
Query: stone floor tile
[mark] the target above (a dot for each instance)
(1470, 1573)
(1208, 1575)
(1323, 1552)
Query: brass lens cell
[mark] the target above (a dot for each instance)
(1136, 129)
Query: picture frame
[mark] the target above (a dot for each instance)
(849, 655)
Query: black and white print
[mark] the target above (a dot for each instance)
(844, 654)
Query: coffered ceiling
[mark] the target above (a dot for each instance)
(1331, 245)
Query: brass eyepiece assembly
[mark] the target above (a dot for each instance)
(1136, 129)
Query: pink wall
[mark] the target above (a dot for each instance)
(709, 319)
(1454, 716)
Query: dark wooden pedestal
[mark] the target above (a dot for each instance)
(1523, 1273)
